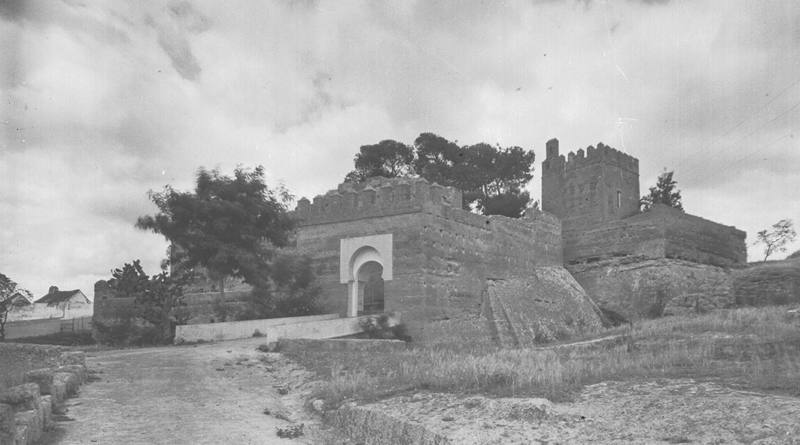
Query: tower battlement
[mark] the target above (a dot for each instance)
(589, 186)
(591, 156)
(374, 198)
(601, 154)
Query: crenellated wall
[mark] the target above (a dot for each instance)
(374, 198)
(589, 187)
(595, 193)
(442, 255)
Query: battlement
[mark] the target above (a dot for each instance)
(591, 156)
(374, 198)
(589, 186)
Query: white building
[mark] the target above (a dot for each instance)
(56, 304)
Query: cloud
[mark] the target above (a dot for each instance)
(180, 19)
(103, 102)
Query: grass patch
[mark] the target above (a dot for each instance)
(752, 348)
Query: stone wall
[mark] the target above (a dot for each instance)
(201, 297)
(596, 195)
(773, 282)
(546, 306)
(312, 326)
(662, 232)
(700, 240)
(375, 198)
(639, 288)
(26, 410)
(442, 255)
(591, 187)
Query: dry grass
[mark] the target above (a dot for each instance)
(753, 348)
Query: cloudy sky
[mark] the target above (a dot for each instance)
(103, 101)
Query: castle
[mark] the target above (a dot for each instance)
(448, 270)
(596, 196)
(406, 246)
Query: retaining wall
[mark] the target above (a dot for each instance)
(26, 410)
(315, 326)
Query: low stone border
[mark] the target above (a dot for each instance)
(26, 410)
(340, 344)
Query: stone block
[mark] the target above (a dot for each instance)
(22, 397)
(42, 377)
(59, 394)
(22, 437)
(29, 421)
(8, 429)
(339, 344)
(71, 382)
(78, 370)
(73, 358)
(47, 412)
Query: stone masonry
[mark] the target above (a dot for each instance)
(442, 255)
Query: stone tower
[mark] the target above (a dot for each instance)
(591, 187)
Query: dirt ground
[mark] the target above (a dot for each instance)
(204, 394)
(229, 392)
(660, 411)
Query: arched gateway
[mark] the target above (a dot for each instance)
(364, 264)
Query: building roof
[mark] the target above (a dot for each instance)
(56, 296)
(19, 299)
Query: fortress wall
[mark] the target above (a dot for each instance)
(442, 256)
(635, 236)
(662, 232)
(697, 239)
(322, 242)
(376, 197)
(589, 187)
(546, 305)
(462, 250)
(110, 309)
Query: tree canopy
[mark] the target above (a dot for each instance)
(492, 178)
(158, 299)
(776, 239)
(229, 225)
(8, 289)
(387, 158)
(664, 192)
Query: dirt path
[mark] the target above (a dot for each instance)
(204, 394)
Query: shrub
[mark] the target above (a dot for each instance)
(384, 327)
(128, 333)
(612, 318)
(289, 291)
